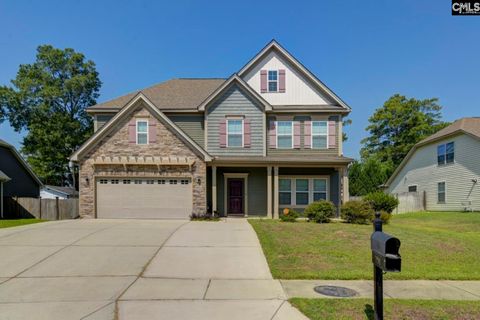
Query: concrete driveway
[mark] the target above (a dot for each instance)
(137, 269)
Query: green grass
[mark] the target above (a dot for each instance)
(18, 222)
(435, 245)
(356, 309)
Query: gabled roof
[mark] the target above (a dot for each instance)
(274, 45)
(95, 138)
(469, 126)
(4, 177)
(171, 95)
(21, 160)
(234, 79)
(68, 191)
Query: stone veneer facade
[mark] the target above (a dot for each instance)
(116, 143)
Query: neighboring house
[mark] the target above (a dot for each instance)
(53, 192)
(444, 167)
(16, 177)
(266, 138)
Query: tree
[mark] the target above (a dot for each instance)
(398, 125)
(48, 98)
(367, 176)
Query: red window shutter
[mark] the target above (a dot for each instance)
(272, 135)
(132, 131)
(152, 130)
(223, 133)
(332, 134)
(263, 81)
(281, 80)
(247, 138)
(296, 134)
(307, 135)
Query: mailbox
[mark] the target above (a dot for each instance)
(385, 253)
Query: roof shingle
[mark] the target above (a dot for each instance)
(468, 125)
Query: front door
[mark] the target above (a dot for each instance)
(235, 196)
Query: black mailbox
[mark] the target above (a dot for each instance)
(385, 253)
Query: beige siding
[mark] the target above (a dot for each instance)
(422, 170)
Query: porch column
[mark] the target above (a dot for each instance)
(346, 190)
(275, 192)
(269, 192)
(214, 189)
(1, 199)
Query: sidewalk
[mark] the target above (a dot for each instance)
(398, 289)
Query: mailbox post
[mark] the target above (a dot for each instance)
(385, 258)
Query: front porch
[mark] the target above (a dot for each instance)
(265, 190)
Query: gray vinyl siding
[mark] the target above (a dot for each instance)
(22, 184)
(303, 150)
(235, 102)
(100, 119)
(422, 170)
(193, 125)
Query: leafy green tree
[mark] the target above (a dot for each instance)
(398, 125)
(367, 176)
(48, 99)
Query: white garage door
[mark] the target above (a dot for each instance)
(144, 198)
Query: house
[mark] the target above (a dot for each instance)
(16, 177)
(444, 168)
(53, 192)
(266, 138)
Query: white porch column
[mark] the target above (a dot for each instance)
(346, 190)
(214, 189)
(269, 192)
(1, 199)
(275, 192)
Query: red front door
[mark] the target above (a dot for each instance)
(235, 196)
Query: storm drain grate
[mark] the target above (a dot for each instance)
(334, 291)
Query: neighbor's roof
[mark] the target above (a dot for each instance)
(175, 94)
(21, 160)
(65, 190)
(470, 126)
(3, 176)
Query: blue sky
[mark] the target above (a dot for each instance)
(365, 51)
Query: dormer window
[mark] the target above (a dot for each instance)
(272, 81)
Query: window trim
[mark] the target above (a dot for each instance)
(277, 81)
(444, 192)
(446, 153)
(243, 131)
(136, 131)
(284, 135)
(318, 135)
(293, 187)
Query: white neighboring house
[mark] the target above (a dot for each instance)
(52, 192)
(444, 167)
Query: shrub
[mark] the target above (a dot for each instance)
(320, 211)
(203, 217)
(289, 215)
(357, 211)
(381, 201)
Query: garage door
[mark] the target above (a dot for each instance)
(144, 198)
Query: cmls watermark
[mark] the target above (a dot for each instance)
(465, 7)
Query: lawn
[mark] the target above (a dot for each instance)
(435, 245)
(18, 222)
(356, 309)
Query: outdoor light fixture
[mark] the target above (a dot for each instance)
(199, 181)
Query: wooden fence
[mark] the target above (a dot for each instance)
(47, 209)
(410, 202)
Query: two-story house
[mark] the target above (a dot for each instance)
(443, 169)
(266, 138)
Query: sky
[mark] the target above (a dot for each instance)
(365, 51)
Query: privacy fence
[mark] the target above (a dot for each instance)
(47, 209)
(407, 202)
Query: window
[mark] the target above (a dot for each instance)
(103, 181)
(441, 192)
(319, 189)
(446, 153)
(184, 181)
(235, 132)
(150, 181)
(412, 188)
(272, 81)
(161, 181)
(284, 135)
(301, 191)
(285, 191)
(319, 134)
(125, 181)
(142, 131)
(138, 181)
(114, 181)
(173, 181)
